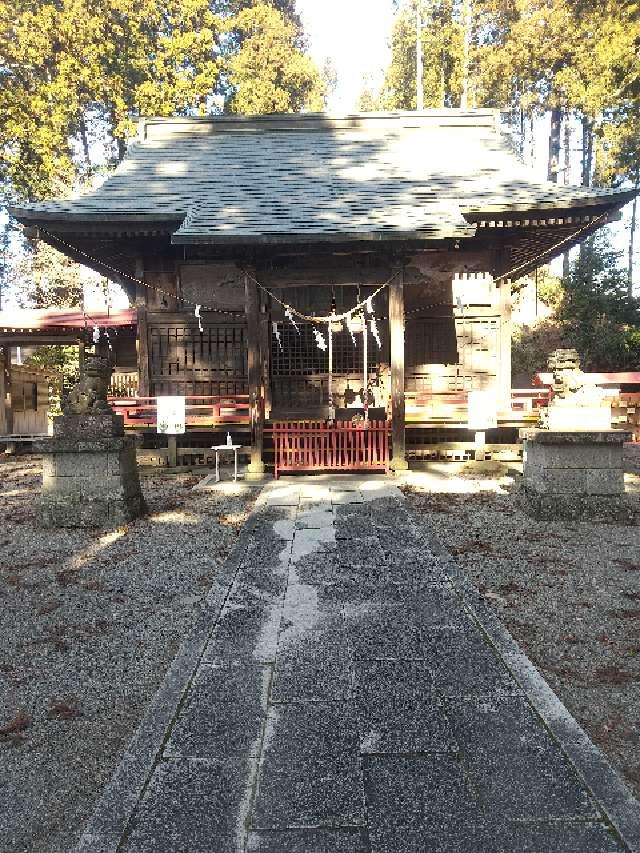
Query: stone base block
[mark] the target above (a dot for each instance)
(613, 509)
(578, 463)
(66, 509)
(90, 483)
(574, 481)
(94, 425)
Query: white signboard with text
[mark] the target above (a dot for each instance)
(171, 418)
(483, 411)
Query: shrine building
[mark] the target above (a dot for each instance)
(326, 268)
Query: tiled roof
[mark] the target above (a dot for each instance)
(310, 177)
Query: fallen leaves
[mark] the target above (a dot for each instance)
(14, 730)
(62, 709)
(614, 675)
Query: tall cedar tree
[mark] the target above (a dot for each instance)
(75, 76)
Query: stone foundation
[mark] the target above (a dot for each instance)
(89, 473)
(575, 474)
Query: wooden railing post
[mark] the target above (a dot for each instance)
(396, 328)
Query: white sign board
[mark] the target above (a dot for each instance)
(483, 411)
(171, 415)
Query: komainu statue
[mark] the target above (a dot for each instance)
(89, 394)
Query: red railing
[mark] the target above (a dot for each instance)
(452, 406)
(200, 411)
(323, 446)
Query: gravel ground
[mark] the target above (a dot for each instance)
(90, 622)
(569, 594)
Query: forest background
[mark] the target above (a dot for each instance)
(75, 75)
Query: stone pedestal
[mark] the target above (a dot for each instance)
(574, 473)
(90, 475)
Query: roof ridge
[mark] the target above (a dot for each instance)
(158, 126)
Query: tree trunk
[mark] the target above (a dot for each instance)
(419, 71)
(567, 180)
(587, 151)
(632, 237)
(466, 25)
(85, 142)
(587, 162)
(554, 145)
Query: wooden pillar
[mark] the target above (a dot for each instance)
(265, 354)
(3, 402)
(396, 328)
(142, 340)
(504, 364)
(6, 407)
(254, 365)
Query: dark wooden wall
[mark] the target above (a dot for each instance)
(457, 327)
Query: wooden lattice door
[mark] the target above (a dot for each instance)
(185, 361)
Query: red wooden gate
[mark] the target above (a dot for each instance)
(323, 446)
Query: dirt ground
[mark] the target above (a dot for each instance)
(89, 622)
(568, 592)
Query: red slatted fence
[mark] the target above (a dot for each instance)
(338, 446)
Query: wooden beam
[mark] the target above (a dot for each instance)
(254, 369)
(396, 329)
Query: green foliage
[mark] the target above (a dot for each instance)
(592, 313)
(79, 70)
(269, 73)
(45, 278)
(74, 73)
(442, 54)
(530, 347)
(596, 313)
(62, 364)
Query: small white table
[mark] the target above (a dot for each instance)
(235, 448)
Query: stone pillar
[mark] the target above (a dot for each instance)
(396, 328)
(255, 471)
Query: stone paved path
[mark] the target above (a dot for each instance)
(348, 701)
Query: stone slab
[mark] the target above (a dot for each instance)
(248, 633)
(447, 834)
(528, 784)
(172, 816)
(579, 481)
(222, 714)
(310, 841)
(88, 425)
(312, 667)
(575, 437)
(310, 773)
(412, 719)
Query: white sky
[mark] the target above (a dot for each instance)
(355, 34)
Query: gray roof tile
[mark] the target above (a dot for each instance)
(311, 176)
